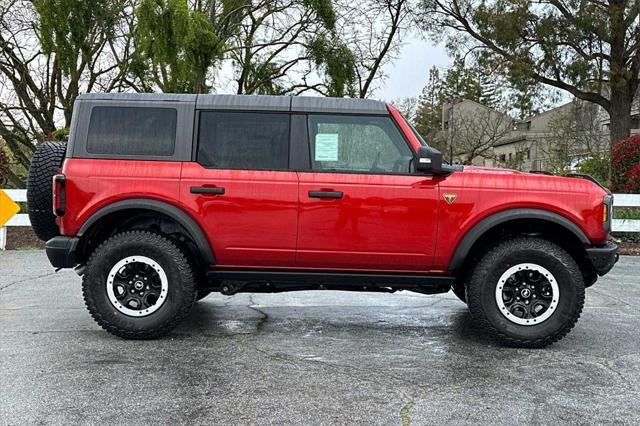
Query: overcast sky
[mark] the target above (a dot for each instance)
(408, 74)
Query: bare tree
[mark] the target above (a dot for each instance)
(48, 55)
(574, 135)
(588, 48)
(516, 160)
(271, 51)
(373, 29)
(407, 106)
(473, 132)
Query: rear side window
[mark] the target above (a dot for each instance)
(132, 131)
(243, 140)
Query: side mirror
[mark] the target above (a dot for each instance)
(430, 162)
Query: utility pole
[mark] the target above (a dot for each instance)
(452, 101)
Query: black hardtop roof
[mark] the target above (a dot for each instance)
(252, 102)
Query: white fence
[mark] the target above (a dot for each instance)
(626, 225)
(618, 225)
(22, 219)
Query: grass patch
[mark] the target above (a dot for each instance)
(28, 247)
(626, 213)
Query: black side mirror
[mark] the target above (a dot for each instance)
(430, 162)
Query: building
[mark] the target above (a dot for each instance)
(471, 130)
(557, 139)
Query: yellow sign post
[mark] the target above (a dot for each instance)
(8, 208)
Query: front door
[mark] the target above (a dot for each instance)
(240, 188)
(361, 207)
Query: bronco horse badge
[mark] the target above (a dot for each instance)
(450, 197)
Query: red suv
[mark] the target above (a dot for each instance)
(160, 199)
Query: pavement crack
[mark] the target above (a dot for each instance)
(264, 317)
(405, 410)
(607, 366)
(393, 383)
(27, 279)
(622, 302)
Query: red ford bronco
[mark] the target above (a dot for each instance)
(159, 199)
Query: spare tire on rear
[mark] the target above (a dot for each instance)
(44, 165)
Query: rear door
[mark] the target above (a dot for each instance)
(241, 190)
(361, 206)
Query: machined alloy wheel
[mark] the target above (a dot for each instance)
(137, 286)
(527, 294)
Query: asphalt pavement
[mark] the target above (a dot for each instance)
(310, 358)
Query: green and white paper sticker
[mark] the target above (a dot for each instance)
(326, 147)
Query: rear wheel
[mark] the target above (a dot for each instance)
(528, 292)
(138, 285)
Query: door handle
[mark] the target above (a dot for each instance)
(207, 190)
(325, 194)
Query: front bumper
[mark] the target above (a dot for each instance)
(603, 257)
(61, 251)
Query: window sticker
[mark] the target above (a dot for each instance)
(326, 147)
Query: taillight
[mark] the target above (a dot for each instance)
(607, 212)
(59, 194)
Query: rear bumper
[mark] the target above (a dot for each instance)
(603, 257)
(61, 251)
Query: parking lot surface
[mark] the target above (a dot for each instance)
(310, 358)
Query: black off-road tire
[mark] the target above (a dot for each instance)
(44, 165)
(182, 287)
(486, 274)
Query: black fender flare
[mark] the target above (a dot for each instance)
(486, 224)
(177, 214)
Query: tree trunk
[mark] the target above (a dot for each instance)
(621, 95)
(619, 115)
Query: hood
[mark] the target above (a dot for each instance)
(526, 180)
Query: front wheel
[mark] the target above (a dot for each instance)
(138, 285)
(528, 292)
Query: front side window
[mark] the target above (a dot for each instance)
(243, 140)
(132, 131)
(361, 144)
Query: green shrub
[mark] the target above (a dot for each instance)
(598, 167)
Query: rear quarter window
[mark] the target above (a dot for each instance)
(244, 140)
(132, 131)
